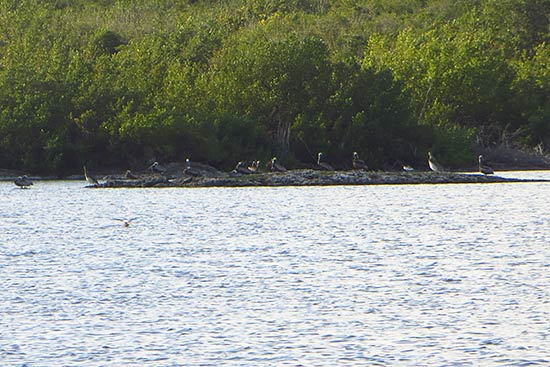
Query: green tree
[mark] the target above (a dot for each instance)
(532, 87)
(269, 80)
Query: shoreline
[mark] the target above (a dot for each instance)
(308, 177)
(298, 177)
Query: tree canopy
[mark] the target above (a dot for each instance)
(118, 82)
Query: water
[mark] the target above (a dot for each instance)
(438, 275)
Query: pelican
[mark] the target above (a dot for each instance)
(276, 167)
(190, 171)
(91, 180)
(23, 182)
(242, 168)
(323, 165)
(129, 175)
(358, 163)
(434, 165)
(484, 167)
(156, 168)
(254, 166)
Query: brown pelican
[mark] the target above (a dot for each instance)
(242, 168)
(274, 166)
(434, 165)
(358, 163)
(129, 175)
(323, 165)
(23, 182)
(254, 166)
(190, 171)
(156, 168)
(91, 180)
(484, 167)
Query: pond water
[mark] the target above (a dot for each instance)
(438, 275)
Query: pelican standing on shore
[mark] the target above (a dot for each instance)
(254, 166)
(434, 165)
(484, 167)
(274, 166)
(23, 182)
(190, 171)
(358, 163)
(90, 179)
(156, 168)
(242, 168)
(129, 175)
(323, 165)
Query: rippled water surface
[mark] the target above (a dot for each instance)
(416, 275)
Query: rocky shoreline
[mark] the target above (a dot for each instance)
(308, 177)
(207, 176)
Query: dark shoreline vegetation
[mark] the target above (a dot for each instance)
(116, 85)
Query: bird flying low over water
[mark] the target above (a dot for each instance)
(358, 163)
(23, 182)
(484, 168)
(323, 165)
(434, 165)
(125, 222)
(90, 179)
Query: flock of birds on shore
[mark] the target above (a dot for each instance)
(273, 165)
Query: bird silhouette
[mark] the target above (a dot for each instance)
(323, 165)
(156, 168)
(190, 171)
(242, 168)
(484, 168)
(91, 180)
(23, 182)
(275, 166)
(358, 163)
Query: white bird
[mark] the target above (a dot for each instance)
(125, 222)
(408, 168)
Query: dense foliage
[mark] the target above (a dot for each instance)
(120, 82)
